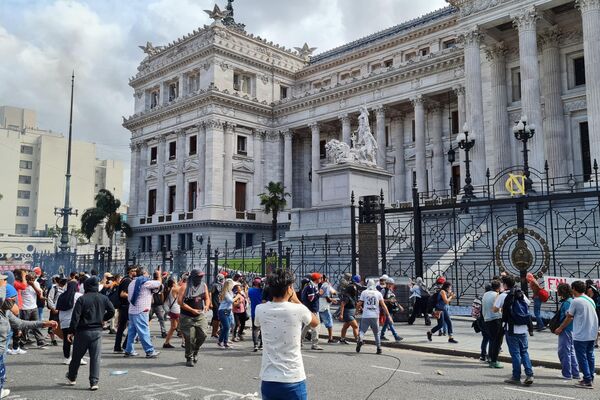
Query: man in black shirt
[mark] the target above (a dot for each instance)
(123, 310)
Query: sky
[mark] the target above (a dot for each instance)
(42, 41)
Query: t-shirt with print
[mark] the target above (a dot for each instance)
(310, 297)
(517, 329)
(281, 329)
(370, 300)
(585, 319)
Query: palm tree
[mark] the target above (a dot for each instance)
(274, 201)
(105, 212)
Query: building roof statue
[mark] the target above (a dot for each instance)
(305, 51)
(229, 20)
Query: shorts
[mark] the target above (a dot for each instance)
(349, 315)
(326, 319)
(173, 316)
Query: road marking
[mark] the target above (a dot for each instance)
(159, 375)
(540, 393)
(306, 355)
(397, 370)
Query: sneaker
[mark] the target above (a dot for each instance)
(359, 345)
(117, 351)
(154, 354)
(429, 336)
(512, 381)
(195, 358)
(260, 346)
(440, 333)
(54, 343)
(163, 335)
(126, 354)
(452, 340)
(189, 363)
(584, 385)
(4, 393)
(379, 350)
(315, 347)
(496, 365)
(83, 362)
(399, 339)
(528, 381)
(332, 341)
(343, 341)
(221, 345)
(67, 361)
(255, 349)
(20, 351)
(11, 352)
(41, 345)
(235, 339)
(111, 331)
(228, 345)
(69, 381)
(564, 378)
(241, 338)
(168, 346)
(482, 359)
(94, 387)
(384, 339)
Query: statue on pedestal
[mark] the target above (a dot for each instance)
(364, 150)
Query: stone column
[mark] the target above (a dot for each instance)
(556, 141)
(133, 178)
(160, 175)
(315, 161)
(474, 104)
(287, 164)
(201, 132)
(213, 177)
(380, 131)
(180, 183)
(182, 85)
(397, 133)
(500, 127)
(141, 188)
(590, 13)
(420, 163)
(531, 103)
(346, 129)
(228, 166)
(258, 184)
(462, 119)
(438, 162)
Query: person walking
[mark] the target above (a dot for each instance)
(239, 311)
(255, 294)
(389, 298)
(140, 293)
(420, 294)
(65, 305)
(280, 321)
(226, 299)
(310, 298)
(89, 314)
(326, 294)
(215, 293)
(29, 311)
(158, 309)
(582, 313)
(493, 323)
(371, 303)
(347, 312)
(566, 349)
(123, 309)
(194, 302)
(445, 296)
(593, 293)
(174, 310)
(57, 288)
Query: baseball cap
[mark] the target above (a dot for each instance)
(37, 271)
(315, 276)
(441, 280)
(10, 291)
(390, 280)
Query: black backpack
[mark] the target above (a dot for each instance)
(515, 310)
(432, 301)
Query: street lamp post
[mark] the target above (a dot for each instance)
(466, 144)
(524, 132)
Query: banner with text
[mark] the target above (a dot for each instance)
(551, 282)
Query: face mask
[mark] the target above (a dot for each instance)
(196, 280)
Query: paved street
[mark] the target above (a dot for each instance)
(336, 373)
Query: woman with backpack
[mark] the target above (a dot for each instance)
(444, 297)
(566, 349)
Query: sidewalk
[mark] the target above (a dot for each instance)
(542, 346)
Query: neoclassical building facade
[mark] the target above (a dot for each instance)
(220, 112)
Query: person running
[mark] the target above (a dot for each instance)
(255, 294)
(420, 294)
(215, 293)
(194, 301)
(493, 322)
(371, 303)
(226, 299)
(140, 293)
(239, 312)
(174, 310)
(326, 294)
(123, 317)
(582, 313)
(445, 296)
(280, 321)
(89, 314)
(389, 297)
(310, 298)
(65, 305)
(566, 349)
(347, 311)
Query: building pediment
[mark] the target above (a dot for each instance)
(244, 166)
(190, 164)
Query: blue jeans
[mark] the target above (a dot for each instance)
(537, 312)
(283, 391)
(326, 318)
(40, 313)
(139, 326)
(566, 355)
(225, 318)
(585, 356)
(517, 346)
(2, 371)
(389, 324)
(444, 323)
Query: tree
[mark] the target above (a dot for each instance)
(105, 212)
(273, 201)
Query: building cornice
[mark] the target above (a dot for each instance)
(204, 224)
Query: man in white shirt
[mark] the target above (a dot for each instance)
(29, 311)
(326, 293)
(280, 321)
(371, 301)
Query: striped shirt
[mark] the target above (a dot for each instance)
(144, 300)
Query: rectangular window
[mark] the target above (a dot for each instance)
(586, 158)
(171, 199)
(355, 73)
(240, 196)
(21, 229)
(151, 202)
(413, 132)
(424, 52)
(189, 241)
(22, 211)
(322, 150)
(375, 67)
(153, 155)
(172, 150)
(161, 242)
(24, 179)
(26, 149)
(181, 241)
(168, 242)
(149, 243)
(241, 145)
(249, 239)
(455, 125)
(448, 44)
(192, 196)
(154, 98)
(242, 83)
(239, 238)
(579, 70)
(283, 92)
(25, 164)
(516, 84)
(193, 82)
(409, 56)
(143, 244)
(344, 76)
(193, 145)
(23, 194)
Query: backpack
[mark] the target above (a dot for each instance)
(515, 310)
(476, 308)
(432, 302)
(114, 298)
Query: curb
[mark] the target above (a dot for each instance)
(455, 353)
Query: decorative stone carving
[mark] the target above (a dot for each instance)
(305, 51)
(585, 5)
(580, 104)
(496, 52)
(365, 145)
(471, 38)
(550, 37)
(217, 14)
(526, 20)
(190, 164)
(150, 49)
(468, 7)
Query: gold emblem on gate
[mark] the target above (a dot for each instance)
(515, 184)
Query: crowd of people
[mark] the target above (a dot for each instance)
(80, 306)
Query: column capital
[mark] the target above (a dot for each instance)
(180, 132)
(315, 128)
(434, 107)
(496, 52)
(345, 118)
(472, 37)
(273, 136)
(380, 111)
(526, 19)
(287, 134)
(587, 5)
(550, 37)
(229, 127)
(260, 134)
(162, 138)
(418, 100)
(459, 90)
(213, 123)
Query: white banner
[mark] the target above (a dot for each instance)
(551, 282)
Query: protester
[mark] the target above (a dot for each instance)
(194, 301)
(57, 288)
(347, 311)
(174, 310)
(29, 311)
(255, 294)
(123, 309)
(64, 305)
(420, 294)
(215, 294)
(382, 282)
(157, 308)
(239, 311)
(389, 298)
(582, 313)
(90, 312)
(517, 322)
(493, 323)
(282, 369)
(371, 303)
(535, 288)
(566, 349)
(444, 297)
(226, 299)
(42, 281)
(326, 294)
(139, 294)
(310, 298)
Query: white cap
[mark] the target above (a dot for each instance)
(384, 278)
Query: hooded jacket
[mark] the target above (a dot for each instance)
(91, 309)
(8, 321)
